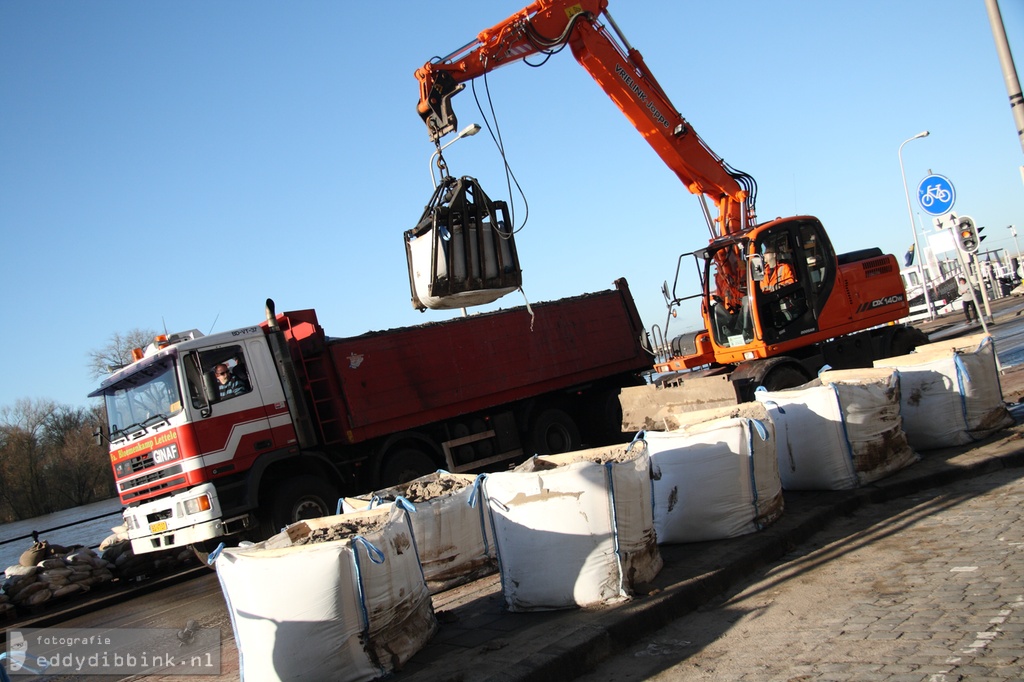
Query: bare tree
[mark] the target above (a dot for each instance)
(48, 459)
(24, 461)
(118, 351)
(84, 468)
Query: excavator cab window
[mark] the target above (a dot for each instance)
(799, 274)
(729, 304)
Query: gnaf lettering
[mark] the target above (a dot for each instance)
(165, 454)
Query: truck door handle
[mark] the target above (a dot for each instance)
(263, 444)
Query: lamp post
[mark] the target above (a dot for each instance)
(913, 227)
(468, 131)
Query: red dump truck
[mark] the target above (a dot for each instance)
(248, 430)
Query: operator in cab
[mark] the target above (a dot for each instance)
(227, 383)
(776, 273)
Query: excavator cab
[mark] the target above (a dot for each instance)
(768, 285)
(798, 274)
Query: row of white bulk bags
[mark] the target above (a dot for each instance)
(840, 431)
(355, 608)
(715, 474)
(573, 530)
(450, 523)
(950, 392)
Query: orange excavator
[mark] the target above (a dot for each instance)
(777, 302)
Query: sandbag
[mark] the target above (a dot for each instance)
(714, 479)
(453, 531)
(573, 530)
(353, 608)
(950, 393)
(858, 431)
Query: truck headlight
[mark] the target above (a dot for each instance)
(197, 504)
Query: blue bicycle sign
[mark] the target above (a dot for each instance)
(936, 195)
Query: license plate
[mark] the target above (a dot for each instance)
(158, 527)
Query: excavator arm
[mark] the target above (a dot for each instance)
(544, 27)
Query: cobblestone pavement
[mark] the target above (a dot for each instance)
(926, 588)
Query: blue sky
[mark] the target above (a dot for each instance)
(173, 164)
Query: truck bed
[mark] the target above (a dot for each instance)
(382, 382)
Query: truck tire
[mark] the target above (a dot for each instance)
(302, 497)
(553, 432)
(404, 465)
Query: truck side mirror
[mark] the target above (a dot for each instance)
(755, 267)
(99, 434)
(210, 388)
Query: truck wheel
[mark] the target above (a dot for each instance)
(553, 432)
(404, 465)
(302, 497)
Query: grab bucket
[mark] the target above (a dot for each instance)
(462, 251)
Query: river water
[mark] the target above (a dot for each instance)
(88, 533)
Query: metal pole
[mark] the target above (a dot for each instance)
(995, 19)
(967, 275)
(913, 228)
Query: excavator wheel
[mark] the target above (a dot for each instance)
(905, 340)
(780, 378)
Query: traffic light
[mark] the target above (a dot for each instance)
(967, 235)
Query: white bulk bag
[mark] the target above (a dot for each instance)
(350, 609)
(715, 479)
(950, 393)
(870, 404)
(451, 526)
(573, 530)
(858, 437)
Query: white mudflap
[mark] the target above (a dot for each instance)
(350, 609)
(858, 432)
(714, 479)
(950, 393)
(451, 525)
(574, 530)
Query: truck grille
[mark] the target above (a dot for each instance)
(147, 480)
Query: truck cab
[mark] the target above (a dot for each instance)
(173, 431)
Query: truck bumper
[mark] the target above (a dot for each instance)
(177, 521)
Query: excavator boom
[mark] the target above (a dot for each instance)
(764, 326)
(547, 25)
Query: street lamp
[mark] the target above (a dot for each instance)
(913, 227)
(468, 131)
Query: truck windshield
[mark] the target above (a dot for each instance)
(144, 399)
